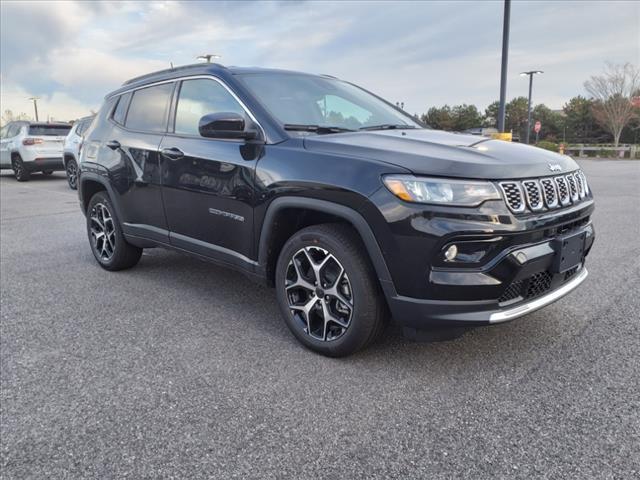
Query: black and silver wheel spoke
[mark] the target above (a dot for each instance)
(102, 231)
(72, 173)
(319, 293)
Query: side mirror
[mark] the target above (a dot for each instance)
(224, 125)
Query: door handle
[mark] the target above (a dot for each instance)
(172, 153)
(113, 144)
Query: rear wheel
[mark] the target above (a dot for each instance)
(108, 244)
(328, 292)
(72, 174)
(19, 170)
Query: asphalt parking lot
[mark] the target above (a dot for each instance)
(180, 369)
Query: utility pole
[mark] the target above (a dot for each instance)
(503, 71)
(530, 74)
(35, 105)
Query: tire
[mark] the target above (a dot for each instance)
(19, 170)
(349, 293)
(111, 250)
(47, 172)
(71, 169)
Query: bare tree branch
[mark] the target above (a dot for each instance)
(612, 92)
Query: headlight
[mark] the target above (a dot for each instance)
(441, 191)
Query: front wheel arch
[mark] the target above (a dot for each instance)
(270, 245)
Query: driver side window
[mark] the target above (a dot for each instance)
(198, 98)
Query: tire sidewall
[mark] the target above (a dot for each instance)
(24, 174)
(66, 169)
(364, 305)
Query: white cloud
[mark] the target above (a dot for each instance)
(422, 53)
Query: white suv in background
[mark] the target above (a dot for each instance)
(72, 146)
(27, 147)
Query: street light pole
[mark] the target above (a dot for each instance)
(503, 72)
(530, 74)
(35, 105)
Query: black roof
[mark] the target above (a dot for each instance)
(195, 69)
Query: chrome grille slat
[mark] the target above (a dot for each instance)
(550, 193)
(563, 191)
(533, 194)
(573, 189)
(537, 194)
(513, 195)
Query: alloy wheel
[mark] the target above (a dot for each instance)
(72, 174)
(319, 293)
(103, 232)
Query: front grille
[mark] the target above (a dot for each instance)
(571, 272)
(563, 191)
(573, 188)
(580, 185)
(534, 286)
(512, 292)
(549, 192)
(539, 284)
(533, 194)
(513, 195)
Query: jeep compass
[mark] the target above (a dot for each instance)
(353, 210)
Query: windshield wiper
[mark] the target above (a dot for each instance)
(315, 128)
(388, 126)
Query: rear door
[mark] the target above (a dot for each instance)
(139, 122)
(208, 184)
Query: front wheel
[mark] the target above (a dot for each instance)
(19, 170)
(328, 292)
(72, 174)
(108, 244)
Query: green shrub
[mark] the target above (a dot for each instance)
(547, 145)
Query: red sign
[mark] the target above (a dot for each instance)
(537, 126)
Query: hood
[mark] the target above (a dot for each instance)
(438, 153)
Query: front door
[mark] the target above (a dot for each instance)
(207, 184)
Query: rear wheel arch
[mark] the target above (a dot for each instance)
(90, 187)
(287, 215)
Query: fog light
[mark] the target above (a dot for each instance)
(450, 253)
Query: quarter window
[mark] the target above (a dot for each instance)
(198, 98)
(120, 111)
(149, 108)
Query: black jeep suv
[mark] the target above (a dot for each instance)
(348, 206)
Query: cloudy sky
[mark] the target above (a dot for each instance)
(422, 53)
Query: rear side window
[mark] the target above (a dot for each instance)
(199, 98)
(49, 130)
(84, 125)
(120, 111)
(149, 108)
(13, 130)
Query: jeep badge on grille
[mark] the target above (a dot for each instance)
(554, 167)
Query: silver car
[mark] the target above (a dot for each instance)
(27, 147)
(72, 146)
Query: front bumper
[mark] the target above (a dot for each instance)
(519, 273)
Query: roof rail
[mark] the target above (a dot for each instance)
(169, 70)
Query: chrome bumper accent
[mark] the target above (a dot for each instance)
(538, 303)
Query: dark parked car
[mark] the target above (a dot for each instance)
(348, 206)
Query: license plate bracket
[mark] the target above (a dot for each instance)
(569, 251)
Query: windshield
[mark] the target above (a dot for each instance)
(298, 99)
(49, 130)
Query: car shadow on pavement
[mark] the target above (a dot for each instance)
(257, 306)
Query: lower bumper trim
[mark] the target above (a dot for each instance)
(532, 306)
